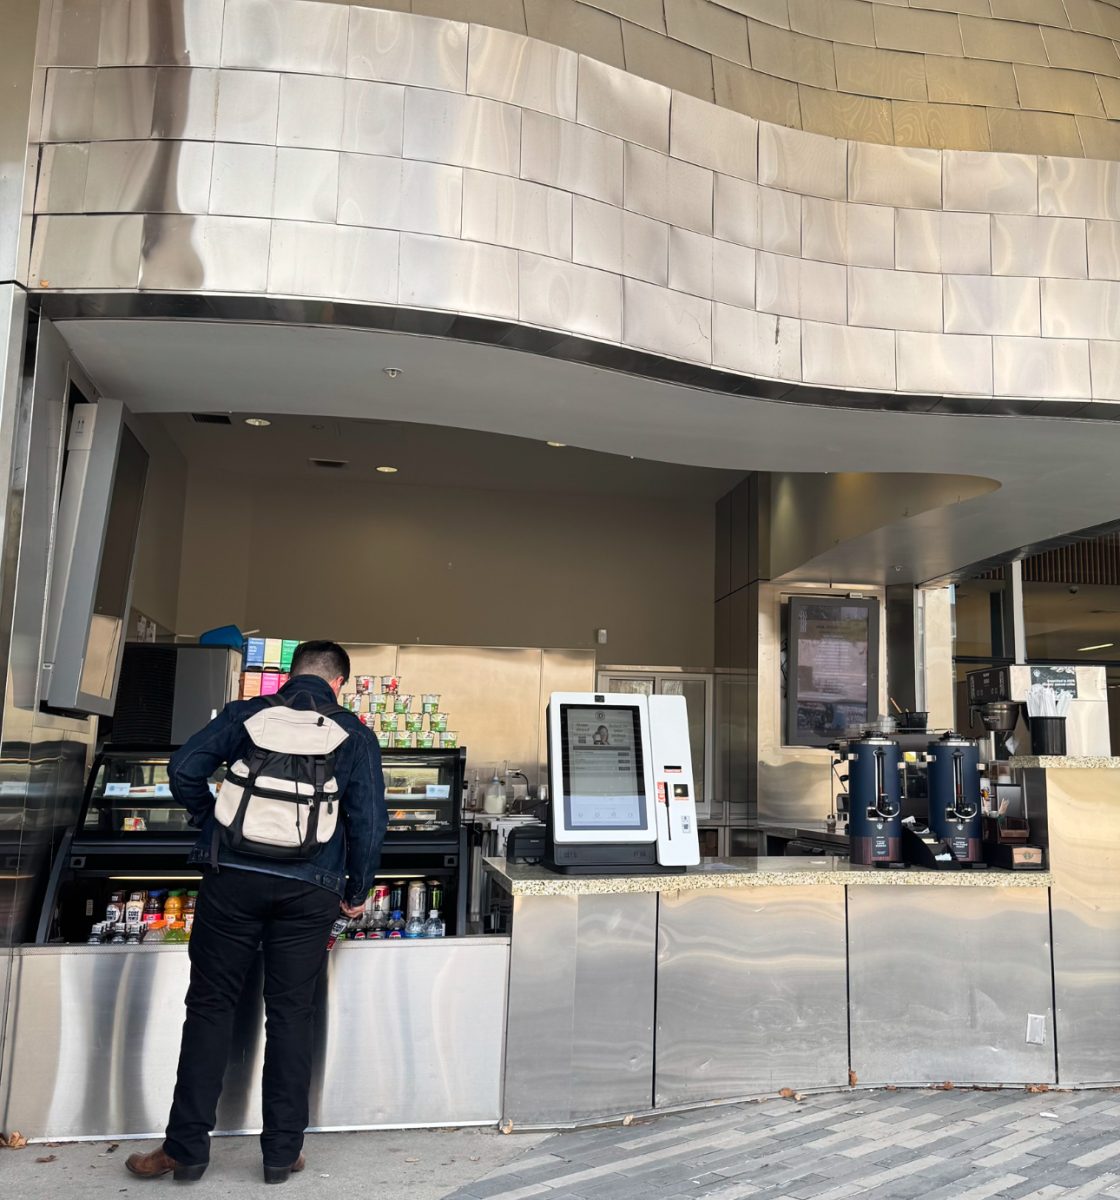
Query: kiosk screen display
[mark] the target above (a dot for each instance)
(604, 784)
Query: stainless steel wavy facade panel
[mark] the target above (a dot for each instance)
(571, 156)
(806, 163)
(513, 212)
(998, 183)
(86, 252)
(400, 48)
(461, 276)
(990, 304)
(463, 131)
(294, 36)
(163, 32)
(713, 137)
(530, 74)
(334, 262)
(668, 190)
(205, 254)
(248, 105)
(148, 177)
(1051, 246)
(624, 105)
(373, 118)
(185, 104)
(656, 318)
(1056, 368)
(841, 355)
(488, 151)
(562, 295)
(391, 193)
(311, 112)
(615, 240)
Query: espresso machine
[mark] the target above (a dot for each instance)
(873, 799)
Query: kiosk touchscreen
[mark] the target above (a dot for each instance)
(621, 777)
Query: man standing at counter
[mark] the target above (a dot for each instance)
(285, 903)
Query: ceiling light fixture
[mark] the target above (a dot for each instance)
(258, 422)
(392, 372)
(387, 470)
(1102, 646)
(557, 445)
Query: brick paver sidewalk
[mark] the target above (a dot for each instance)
(932, 1145)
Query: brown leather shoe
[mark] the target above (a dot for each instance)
(157, 1163)
(281, 1174)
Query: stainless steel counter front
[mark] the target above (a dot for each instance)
(769, 973)
(409, 1033)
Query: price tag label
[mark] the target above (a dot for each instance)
(163, 790)
(437, 791)
(117, 789)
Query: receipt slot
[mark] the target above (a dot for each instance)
(623, 795)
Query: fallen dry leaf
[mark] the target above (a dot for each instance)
(111, 1148)
(476, 1158)
(787, 1093)
(47, 1158)
(506, 1126)
(853, 1079)
(890, 1088)
(628, 1119)
(1038, 1087)
(14, 1141)
(947, 1086)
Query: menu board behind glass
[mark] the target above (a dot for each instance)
(832, 682)
(604, 771)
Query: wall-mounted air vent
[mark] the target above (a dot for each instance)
(329, 464)
(211, 419)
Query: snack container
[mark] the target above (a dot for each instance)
(429, 702)
(437, 722)
(449, 740)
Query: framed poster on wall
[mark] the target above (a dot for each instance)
(832, 677)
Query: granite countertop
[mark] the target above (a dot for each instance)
(523, 880)
(1066, 762)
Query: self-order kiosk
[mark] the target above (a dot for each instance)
(623, 796)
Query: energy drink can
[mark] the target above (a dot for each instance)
(337, 930)
(435, 894)
(396, 895)
(417, 899)
(379, 902)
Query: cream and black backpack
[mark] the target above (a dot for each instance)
(281, 800)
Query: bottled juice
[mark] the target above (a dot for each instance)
(173, 907)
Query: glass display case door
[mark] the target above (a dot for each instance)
(698, 691)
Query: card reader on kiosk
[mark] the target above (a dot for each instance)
(623, 795)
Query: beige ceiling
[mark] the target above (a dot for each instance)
(430, 456)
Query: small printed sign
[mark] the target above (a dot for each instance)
(1061, 679)
(117, 789)
(438, 791)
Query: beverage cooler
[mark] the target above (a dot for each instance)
(130, 844)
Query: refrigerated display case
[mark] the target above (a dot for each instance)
(131, 835)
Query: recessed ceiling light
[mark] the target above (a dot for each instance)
(392, 372)
(387, 470)
(1102, 646)
(257, 422)
(556, 445)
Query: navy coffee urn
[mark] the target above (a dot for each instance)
(874, 801)
(954, 796)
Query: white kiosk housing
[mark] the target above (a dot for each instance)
(623, 795)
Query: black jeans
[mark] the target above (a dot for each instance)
(238, 912)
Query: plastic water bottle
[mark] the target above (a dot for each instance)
(434, 926)
(414, 928)
(396, 924)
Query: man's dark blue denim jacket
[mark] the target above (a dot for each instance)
(348, 862)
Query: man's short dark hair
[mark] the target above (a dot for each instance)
(328, 660)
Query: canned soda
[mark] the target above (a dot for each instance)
(417, 899)
(435, 894)
(380, 901)
(396, 895)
